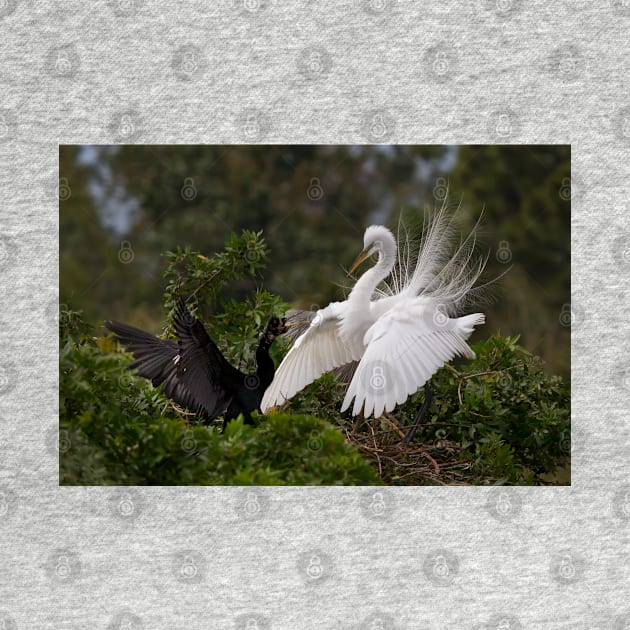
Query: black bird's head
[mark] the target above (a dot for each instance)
(276, 326)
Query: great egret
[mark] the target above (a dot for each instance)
(399, 332)
(193, 372)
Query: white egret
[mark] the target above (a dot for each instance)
(400, 332)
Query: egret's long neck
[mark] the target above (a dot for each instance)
(365, 285)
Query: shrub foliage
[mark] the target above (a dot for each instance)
(499, 418)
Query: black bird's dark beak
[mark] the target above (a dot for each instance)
(283, 326)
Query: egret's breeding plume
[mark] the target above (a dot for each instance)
(193, 372)
(399, 325)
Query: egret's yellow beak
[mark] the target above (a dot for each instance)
(357, 261)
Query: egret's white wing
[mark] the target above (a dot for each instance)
(319, 350)
(404, 348)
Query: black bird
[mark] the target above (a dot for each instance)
(194, 373)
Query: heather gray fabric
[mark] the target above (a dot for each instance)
(307, 72)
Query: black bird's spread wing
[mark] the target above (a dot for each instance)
(192, 372)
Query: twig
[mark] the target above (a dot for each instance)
(378, 459)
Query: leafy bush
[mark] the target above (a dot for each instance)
(499, 418)
(117, 429)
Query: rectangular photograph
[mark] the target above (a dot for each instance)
(315, 315)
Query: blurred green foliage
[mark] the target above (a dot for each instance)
(129, 204)
(503, 418)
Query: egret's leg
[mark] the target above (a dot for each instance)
(428, 396)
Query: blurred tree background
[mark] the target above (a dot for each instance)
(122, 207)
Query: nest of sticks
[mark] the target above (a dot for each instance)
(407, 464)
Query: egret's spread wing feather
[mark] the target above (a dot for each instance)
(319, 350)
(404, 348)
